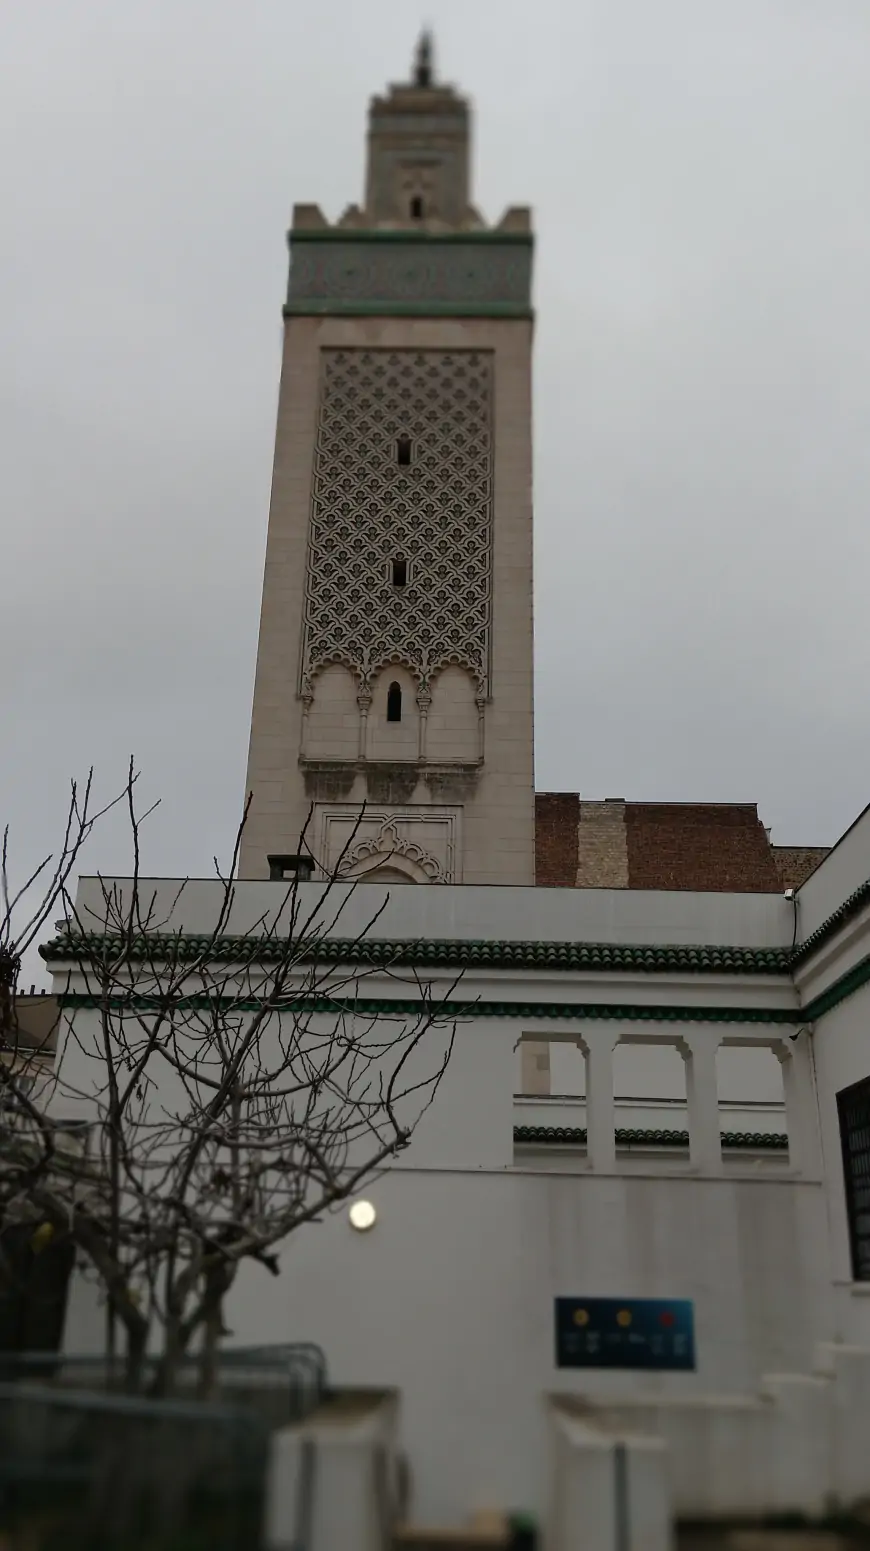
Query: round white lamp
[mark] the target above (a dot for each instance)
(362, 1216)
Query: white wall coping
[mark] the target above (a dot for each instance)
(473, 912)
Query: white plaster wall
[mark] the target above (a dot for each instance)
(838, 876)
(495, 913)
(842, 1056)
(450, 1298)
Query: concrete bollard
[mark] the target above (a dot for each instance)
(610, 1489)
(330, 1478)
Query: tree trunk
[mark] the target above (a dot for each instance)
(208, 1358)
(166, 1374)
(137, 1341)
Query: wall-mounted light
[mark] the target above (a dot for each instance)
(362, 1216)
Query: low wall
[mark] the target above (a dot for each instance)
(449, 1300)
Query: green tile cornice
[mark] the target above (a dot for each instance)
(461, 1012)
(463, 274)
(436, 953)
(831, 925)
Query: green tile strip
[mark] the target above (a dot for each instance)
(458, 953)
(462, 1012)
(67, 948)
(563, 1136)
(849, 908)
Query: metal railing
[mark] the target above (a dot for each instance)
(83, 1465)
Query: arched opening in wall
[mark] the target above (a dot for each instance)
(453, 728)
(394, 718)
(386, 874)
(332, 730)
(399, 572)
(403, 451)
(752, 1114)
(650, 1109)
(531, 1071)
(416, 208)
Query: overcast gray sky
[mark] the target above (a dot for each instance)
(699, 174)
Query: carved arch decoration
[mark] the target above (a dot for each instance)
(390, 849)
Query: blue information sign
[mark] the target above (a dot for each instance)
(625, 1333)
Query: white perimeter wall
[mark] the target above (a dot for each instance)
(496, 913)
(450, 1296)
(841, 1046)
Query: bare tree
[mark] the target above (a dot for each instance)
(234, 1087)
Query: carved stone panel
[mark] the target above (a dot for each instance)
(402, 478)
(418, 843)
(483, 278)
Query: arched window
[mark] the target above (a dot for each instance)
(400, 573)
(403, 451)
(416, 208)
(394, 703)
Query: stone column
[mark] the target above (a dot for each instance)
(597, 1046)
(535, 1068)
(424, 701)
(801, 1109)
(480, 702)
(699, 1049)
(364, 701)
(307, 702)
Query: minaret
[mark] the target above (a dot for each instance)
(395, 657)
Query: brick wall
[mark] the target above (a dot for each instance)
(557, 818)
(602, 850)
(795, 863)
(705, 847)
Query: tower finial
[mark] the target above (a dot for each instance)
(423, 69)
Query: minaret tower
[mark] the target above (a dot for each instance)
(395, 657)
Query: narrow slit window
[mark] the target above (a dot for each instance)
(416, 208)
(403, 451)
(394, 703)
(400, 573)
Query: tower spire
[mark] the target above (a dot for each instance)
(423, 66)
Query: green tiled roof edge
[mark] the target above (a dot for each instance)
(443, 1012)
(450, 953)
(556, 1136)
(849, 908)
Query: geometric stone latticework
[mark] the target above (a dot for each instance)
(368, 510)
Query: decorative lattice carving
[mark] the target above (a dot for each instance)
(435, 513)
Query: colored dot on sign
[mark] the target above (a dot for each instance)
(666, 1318)
(623, 1317)
(581, 1316)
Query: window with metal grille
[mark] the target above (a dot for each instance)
(853, 1105)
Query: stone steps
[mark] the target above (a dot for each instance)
(723, 1538)
(485, 1532)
